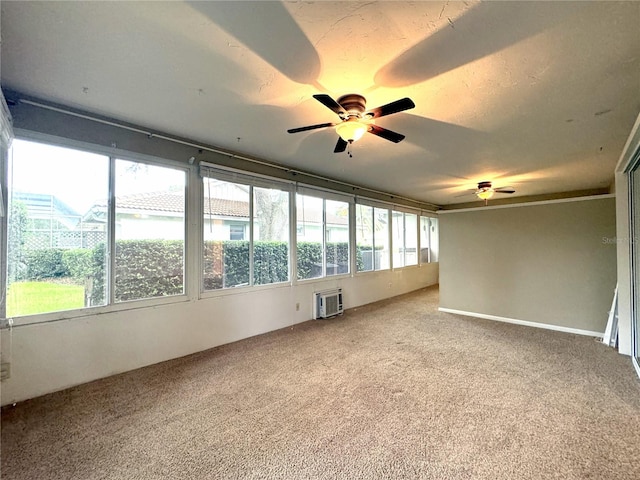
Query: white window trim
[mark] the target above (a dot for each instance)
(251, 180)
(324, 196)
(113, 154)
(374, 206)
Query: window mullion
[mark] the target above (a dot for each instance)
(110, 249)
(353, 247)
(373, 240)
(251, 222)
(404, 239)
(293, 237)
(430, 251)
(324, 237)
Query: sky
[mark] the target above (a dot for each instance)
(79, 178)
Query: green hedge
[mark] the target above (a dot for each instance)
(144, 269)
(270, 263)
(98, 279)
(153, 268)
(148, 268)
(236, 263)
(309, 258)
(45, 263)
(79, 263)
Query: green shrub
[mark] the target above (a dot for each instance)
(148, 268)
(79, 263)
(310, 259)
(45, 263)
(144, 269)
(98, 275)
(153, 268)
(270, 262)
(226, 263)
(236, 263)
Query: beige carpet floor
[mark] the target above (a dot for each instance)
(393, 390)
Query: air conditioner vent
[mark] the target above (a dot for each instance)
(328, 303)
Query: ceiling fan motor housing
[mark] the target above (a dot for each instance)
(353, 104)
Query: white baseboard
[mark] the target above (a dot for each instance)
(546, 326)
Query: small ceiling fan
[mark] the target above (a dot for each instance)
(356, 119)
(485, 191)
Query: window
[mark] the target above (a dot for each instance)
(410, 239)
(150, 231)
(271, 235)
(245, 230)
(372, 238)
(404, 239)
(337, 237)
(56, 258)
(323, 236)
(236, 232)
(428, 239)
(60, 230)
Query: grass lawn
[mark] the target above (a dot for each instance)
(27, 298)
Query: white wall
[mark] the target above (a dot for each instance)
(52, 356)
(550, 264)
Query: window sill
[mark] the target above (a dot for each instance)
(49, 317)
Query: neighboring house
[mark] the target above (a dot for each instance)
(160, 215)
(309, 228)
(53, 223)
(225, 219)
(143, 216)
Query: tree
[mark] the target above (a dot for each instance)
(271, 212)
(17, 225)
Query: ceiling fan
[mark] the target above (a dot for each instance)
(485, 191)
(356, 120)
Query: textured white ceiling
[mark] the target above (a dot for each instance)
(537, 95)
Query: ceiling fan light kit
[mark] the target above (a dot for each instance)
(351, 130)
(485, 191)
(485, 194)
(354, 119)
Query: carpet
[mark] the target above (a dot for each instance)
(391, 390)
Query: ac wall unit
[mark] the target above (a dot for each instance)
(328, 303)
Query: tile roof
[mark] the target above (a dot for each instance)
(155, 201)
(174, 202)
(226, 208)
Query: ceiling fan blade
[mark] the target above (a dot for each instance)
(504, 190)
(341, 146)
(393, 107)
(331, 104)
(386, 134)
(467, 193)
(310, 127)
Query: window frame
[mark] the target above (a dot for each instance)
(404, 211)
(113, 154)
(193, 256)
(431, 217)
(326, 195)
(236, 176)
(375, 206)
